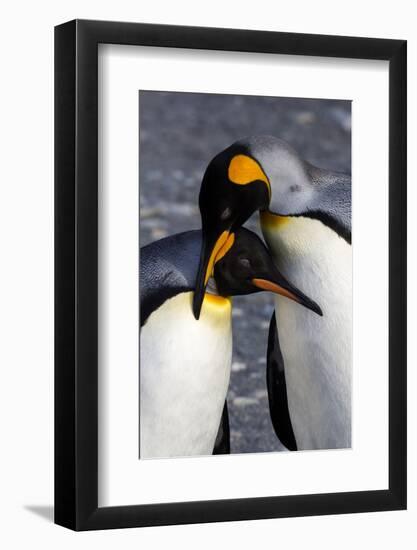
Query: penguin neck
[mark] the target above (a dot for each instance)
(214, 302)
(213, 299)
(308, 251)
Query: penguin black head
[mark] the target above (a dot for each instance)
(247, 267)
(233, 187)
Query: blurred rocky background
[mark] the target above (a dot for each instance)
(179, 134)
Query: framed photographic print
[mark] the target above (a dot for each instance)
(230, 275)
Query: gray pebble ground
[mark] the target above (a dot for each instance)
(179, 134)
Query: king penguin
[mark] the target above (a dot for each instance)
(185, 364)
(306, 222)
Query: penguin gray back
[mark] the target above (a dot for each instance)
(333, 201)
(166, 268)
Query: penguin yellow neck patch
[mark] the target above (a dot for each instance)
(244, 170)
(273, 221)
(214, 300)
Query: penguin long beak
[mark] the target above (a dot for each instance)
(279, 285)
(212, 251)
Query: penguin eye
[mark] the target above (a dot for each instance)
(225, 215)
(244, 262)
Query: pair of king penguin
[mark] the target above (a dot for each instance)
(185, 363)
(305, 216)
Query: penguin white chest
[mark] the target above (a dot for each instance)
(184, 375)
(316, 350)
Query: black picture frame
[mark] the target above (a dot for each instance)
(76, 271)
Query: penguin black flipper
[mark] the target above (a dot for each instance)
(277, 390)
(222, 444)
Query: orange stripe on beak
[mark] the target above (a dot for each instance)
(225, 248)
(222, 246)
(273, 287)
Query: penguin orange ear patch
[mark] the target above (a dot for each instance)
(244, 170)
